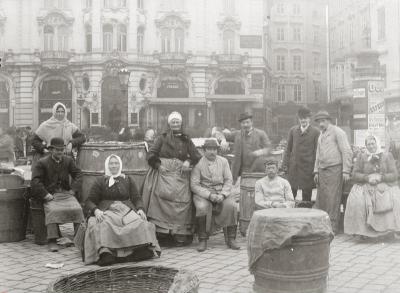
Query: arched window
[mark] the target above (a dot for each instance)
(229, 41)
(140, 40)
(166, 40)
(48, 38)
(62, 38)
(107, 38)
(179, 40)
(88, 38)
(121, 45)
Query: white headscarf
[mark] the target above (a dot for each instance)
(378, 146)
(108, 172)
(174, 115)
(55, 128)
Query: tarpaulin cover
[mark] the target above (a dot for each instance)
(275, 228)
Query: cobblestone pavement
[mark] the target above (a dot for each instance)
(354, 267)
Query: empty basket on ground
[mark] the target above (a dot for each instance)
(128, 279)
(288, 250)
(13, 208)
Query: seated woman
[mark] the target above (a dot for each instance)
(373, 205)
(118, 230)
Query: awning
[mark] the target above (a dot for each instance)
(234, 98)
(177, 101)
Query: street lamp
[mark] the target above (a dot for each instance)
(80, 101)
(123, 76)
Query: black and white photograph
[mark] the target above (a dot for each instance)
(199, 146)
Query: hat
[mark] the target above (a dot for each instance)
(244, 116)
(56, 142)
(322, 115)
(174, 115)
(304, 112)
(271, 162)
(210, 143)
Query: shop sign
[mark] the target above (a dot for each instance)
(376, 99)
(359, 93)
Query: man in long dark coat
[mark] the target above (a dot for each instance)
(299, 158)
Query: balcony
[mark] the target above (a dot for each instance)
(229, 62)
(172, 61)
(55, 59)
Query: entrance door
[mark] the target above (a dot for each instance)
(114, 104)
(52, 90)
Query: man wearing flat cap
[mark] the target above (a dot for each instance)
(211, 183)
(332, 167)
(250, 144)
(272, 191)
(51, 185)
(299, 159)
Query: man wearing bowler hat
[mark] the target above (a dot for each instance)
(332, 166)
(211, 183)
(51, 185)
(250, 144)
(299, 158)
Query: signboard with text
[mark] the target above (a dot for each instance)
(376, 110)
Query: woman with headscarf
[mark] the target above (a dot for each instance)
(373, 205)
(118, 229)
(57, 126)
(166, 191)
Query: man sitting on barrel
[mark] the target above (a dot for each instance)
(273, 191)
(211, 183)
(51, 184)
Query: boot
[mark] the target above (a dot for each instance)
(202, 233)
(53, 246)
(230, 237)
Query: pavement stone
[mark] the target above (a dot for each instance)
(363, 267)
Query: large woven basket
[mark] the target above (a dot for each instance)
(128, 279)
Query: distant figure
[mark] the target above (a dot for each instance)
(332, 167)
(250, 144)
(273, 191)
(299, 158)
(150, 136)
(6, 147)
(124, 134)
(114, 119)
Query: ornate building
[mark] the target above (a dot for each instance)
(206, 59)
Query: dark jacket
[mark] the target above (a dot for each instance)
(256, 140)
(385, 166)
(78, 138)
(48, 176)
(170, 146)
(299, 158)
(124, 189)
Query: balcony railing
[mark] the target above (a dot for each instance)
(55, 55)
(229, 58)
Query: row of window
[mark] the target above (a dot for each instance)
(281, 8)
(282, 90)
(296, 34)
(296, 63)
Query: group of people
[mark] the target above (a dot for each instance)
(185, 192)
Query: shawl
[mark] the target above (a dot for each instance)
(55, 128)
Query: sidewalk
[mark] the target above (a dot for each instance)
(355, 267)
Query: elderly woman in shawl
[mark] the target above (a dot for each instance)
(118, 229)
(57, 126)
(166, 190)
(373, 205)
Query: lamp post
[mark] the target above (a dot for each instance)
(80, 101)
(123, 76)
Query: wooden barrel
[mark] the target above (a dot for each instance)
(13, 205)
(289, 250)
(92, 156)
(247, 204)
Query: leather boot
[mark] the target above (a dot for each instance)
(230, 237)
(202, 233)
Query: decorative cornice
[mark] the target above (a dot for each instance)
(164, 20)
(229, 23)
(55, 17)
(113, 66)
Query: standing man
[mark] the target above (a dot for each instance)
(51, 185)
(299, 158)
(211, 183)
(250, 143)
(332, 166)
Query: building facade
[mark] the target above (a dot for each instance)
(206, 59)
(298, 58)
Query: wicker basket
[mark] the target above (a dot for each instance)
(128, 279)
